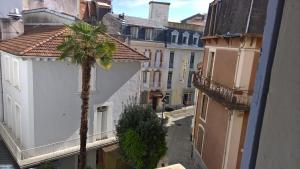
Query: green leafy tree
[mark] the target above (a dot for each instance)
(86, 45)
(142, 138)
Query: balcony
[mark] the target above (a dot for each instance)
(29, 157)
(231, 98)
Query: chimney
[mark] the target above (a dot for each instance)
(11, 26)
(159, 11)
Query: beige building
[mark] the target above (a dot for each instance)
(174, 49)
(225, 83)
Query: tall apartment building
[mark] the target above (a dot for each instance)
(225, 81)
(174, 49)
(40, 108)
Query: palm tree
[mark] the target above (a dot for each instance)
(86, 45)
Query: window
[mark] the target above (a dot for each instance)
(204, 107)
(147, 53)
(134, 32)
(149, 34)
(9, 110)
(174, 36)
(196, 39)
(185, 38)
(187, 99)
(16, 73)
(200, 139)
(170, 75)
(6, 68)
(168, 98)
(10, 71)
(210, 65)
(190, 79)
(158, 58)
(101, 121)
(92, 81)
(144, 77)
(192, 60)
(156, 79)
(171, 60)
(18, 121)
(144, 97)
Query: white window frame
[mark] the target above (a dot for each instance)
(10, 70)
(109, 119)
(9, 111)
(16, 73)
(203, 139)
(92, 80)
(208, 100)
(5, 65)
(150, 32)
(176, 33)
(20, 126)
(196, 35)
(145, 77)
(209, 60)
(134, 32)
(185, 35)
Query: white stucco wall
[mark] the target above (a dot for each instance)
(57, 98)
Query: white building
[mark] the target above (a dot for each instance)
(40, 114)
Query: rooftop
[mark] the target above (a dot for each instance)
(232, 17)
(42, 41)
(131, 20)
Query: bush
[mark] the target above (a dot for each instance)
(141, 137)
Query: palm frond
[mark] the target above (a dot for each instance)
(83, 41)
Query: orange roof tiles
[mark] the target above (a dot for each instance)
(42, 41)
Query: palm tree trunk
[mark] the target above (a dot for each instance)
(85, 91)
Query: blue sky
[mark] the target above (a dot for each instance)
(179, 9)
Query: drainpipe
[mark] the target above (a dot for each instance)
(2, 101)
(249, 17)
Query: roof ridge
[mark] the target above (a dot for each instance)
(44, 41)
(125, 45)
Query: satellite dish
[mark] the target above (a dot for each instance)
(15, 14)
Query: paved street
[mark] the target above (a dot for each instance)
(179, 143)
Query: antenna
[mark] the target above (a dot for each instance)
(15, 14)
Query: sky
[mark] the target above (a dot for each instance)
(179, 9)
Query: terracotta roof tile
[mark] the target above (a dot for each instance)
(42, 41)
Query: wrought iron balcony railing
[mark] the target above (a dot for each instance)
(233, 99)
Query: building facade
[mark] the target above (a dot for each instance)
(225, 82)
(41, 95)
(174, 49)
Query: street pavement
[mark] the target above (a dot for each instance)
(179, 138)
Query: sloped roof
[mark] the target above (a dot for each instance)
(237, 17)
(42, 41)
